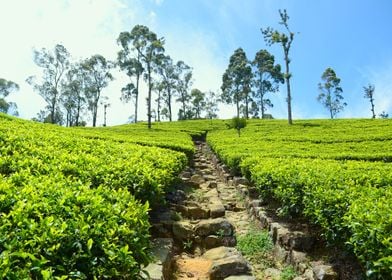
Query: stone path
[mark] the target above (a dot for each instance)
(195, 233)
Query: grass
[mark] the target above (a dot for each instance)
(254, 243)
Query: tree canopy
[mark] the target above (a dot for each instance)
(331, 93)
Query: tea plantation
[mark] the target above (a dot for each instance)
(74, 202)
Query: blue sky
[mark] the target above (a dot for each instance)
(351, 36)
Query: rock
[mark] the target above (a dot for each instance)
(182, 230)
(324, 272)
(298, 259)
(256, 203)
(186, 174)
(253, 192)
(197, 179)
(280, 253)
(197, 213)
(217, 210)
(220, 252)
(176, 196)
(218, 226)
(209, 177)
(265, 221)
(301, 241)
(162, 250)
(308, 275)
(240, 277)
(299, 278)
(212, 184)
(203, 166)
(272, 273)
(155, 272)
(240, 181)
(213, 241)
(226, 261)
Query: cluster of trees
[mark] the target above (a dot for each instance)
(70, 88)
(7, 87)
(246, 83)
(142, 56)
(73, 88)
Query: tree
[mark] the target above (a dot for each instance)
(159, 88)
(384, 115)
(211, 105)
(129, 60)
(106, 105)
(169, 79)
(54, 64)
(272, 36)
(198, 102)
(236, 81)
(7, 87)
(369, 93)
(267, 79)
(331, 93)
(149, 50)
(238, 124)
(184, 82)
(98, 76)
(73, 97)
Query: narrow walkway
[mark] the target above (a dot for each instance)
(196, 232)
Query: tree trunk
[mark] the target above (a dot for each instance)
(78, 112)
(246, 108)
(183, 105)
(169, 103)
(149, 96)
(262, 109)
(136, 96)
(287, 77)
(159, 106)
(372, 103)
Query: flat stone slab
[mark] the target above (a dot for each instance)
(226, 261)
(240, 277)
(218, 226)
(162, 249)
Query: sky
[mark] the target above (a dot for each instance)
(354, 37)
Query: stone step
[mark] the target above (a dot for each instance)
(162, 251)
(226, 261)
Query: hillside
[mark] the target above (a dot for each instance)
(74, 201)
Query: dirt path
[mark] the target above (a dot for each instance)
(196, 232)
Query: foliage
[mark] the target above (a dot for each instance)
(130, 61)
(267, 79)
(75, 202)
(149, 49)
(236, 81)
(288, 273)
(54, 65)
(169, 73)
(271, 37)
(211, 106)
(7, 87)
(331, 93)
(369, 94)
(73, 98)
(238, 124)
(183, 86)
(198, 102)
(254, 243)
(98, 76)
(330, 172)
